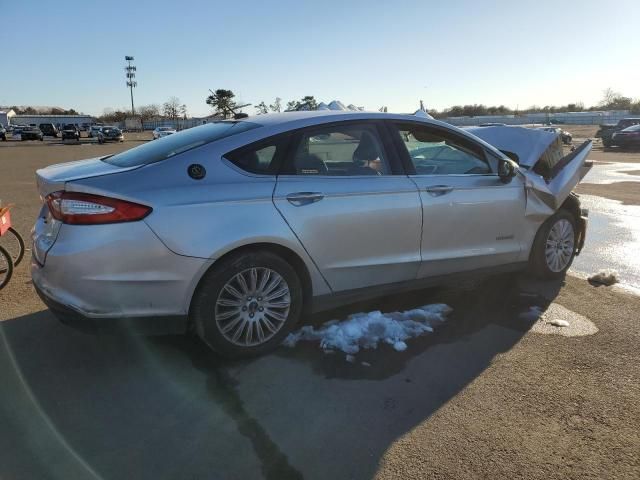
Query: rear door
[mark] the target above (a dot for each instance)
(471, 219)
(345, 196)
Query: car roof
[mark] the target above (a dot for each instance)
(326, 116)
(276, 123)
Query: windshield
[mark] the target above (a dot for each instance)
(172, 145)
(634, 128)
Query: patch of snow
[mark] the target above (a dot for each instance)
(559, 323)
(368, 330)
(350, 358)
(606, 277)
(365, 364)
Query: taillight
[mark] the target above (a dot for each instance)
(87, 209)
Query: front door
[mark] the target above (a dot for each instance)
(471, 219)
(343, 196)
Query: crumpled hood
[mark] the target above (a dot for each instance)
(527, 143)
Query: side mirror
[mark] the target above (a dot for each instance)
(506, 170)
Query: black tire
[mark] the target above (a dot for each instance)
(538, 264)
(13, 243)
(203, 306)
(6, 268)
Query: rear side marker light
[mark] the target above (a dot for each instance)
(86, 209)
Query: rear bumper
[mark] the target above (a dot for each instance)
(163, 325)
(117, 273)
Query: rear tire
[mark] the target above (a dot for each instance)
(247, 304)
(554, 246)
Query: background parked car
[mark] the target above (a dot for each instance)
(163, 132)
(3, 134)
(93, 130)
(17, 129)
(566, 137)
(109, 134)
(629, 137)
(49, 130)
(70, 132)
(31, 133)
(606, 131)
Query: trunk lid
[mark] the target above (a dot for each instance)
(53, 178)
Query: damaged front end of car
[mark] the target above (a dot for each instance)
(550, 174)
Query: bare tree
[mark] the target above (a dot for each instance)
(261, 108)
(615, 100)
(147, 112)
(171, 108)
(276, 106)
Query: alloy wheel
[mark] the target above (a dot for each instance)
(560, 245)
(253, 306)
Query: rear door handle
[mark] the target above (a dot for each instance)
(304, 198)
(438, 190)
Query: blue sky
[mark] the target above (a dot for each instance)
(369, 53)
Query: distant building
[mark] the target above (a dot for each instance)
(5, 116)
(57, 120)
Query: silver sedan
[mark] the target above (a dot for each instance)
(239, 228)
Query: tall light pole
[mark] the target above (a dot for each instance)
(131, 82)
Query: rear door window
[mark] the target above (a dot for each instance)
(340, 150)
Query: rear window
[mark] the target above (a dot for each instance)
(635, 128)
(172, 145)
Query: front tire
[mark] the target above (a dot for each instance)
(554, 246)
(247, 305)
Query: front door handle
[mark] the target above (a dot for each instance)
(304, 198)
(438, 190)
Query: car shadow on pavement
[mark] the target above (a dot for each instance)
(76, 405)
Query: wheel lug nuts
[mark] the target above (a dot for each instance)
(261, 309)
(244, 309)
(249, 298)
(251, 315)
(259, 299)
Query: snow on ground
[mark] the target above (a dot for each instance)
(605, 277)
(558, 320)
(368, 330)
